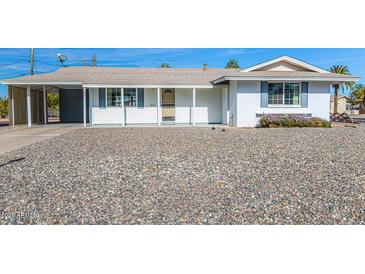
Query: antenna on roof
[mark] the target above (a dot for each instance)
(62, 58)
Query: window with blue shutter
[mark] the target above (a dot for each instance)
(264, 94)
(102, 97)
(304, 95)
(140, 97)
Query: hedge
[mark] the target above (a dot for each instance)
(275, 120)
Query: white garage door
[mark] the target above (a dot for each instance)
(208, 106)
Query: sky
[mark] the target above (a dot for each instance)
(15, 62)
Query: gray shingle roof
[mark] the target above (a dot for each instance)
(155, 76)
(128, 76)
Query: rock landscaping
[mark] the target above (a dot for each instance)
(187, 176)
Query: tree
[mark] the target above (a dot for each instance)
(4, 107)
(358, 92)
(165, 65)
(232, 64)
(53, 103)
(345, 85)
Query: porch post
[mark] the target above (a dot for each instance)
(193, 107)
(84, 104)
(29, 107)
(45, 114)
(37, 99)
(158, 106)
(123, 108)
(12, 107)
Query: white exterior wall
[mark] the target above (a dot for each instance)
(248, 103)
(319, 99)
(183, 105)
(208, 107)
(225, 112)
(232, 95)
(150, 97)
(249, 97)
(147, 115)
(107, 116)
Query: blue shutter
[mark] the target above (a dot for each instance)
(102, 97)
(304, 95)
(264, 94)
(140, 97)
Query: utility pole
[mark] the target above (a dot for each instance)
(31, 61)
(94, 60)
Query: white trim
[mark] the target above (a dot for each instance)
(12, 107)
(91, 103)
(84, 105)
(45, 111)
(40, 83)
(283, 105)
(158, 106)
(122, 105)
(289, 60)
(294, 78)
(145, 86)
(194, 102)
(29, 107)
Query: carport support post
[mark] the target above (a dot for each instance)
(29, 107)
(158, 106)
(84, 104)
(193, 107)
(12, 107)
(45, 114)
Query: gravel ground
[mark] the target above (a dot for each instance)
(187, 176)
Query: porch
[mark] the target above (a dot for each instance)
(121, 106)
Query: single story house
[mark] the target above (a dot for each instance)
(342, 104)
(237, 97)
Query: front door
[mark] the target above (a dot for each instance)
(168, 105)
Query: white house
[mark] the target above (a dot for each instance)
(125, 96)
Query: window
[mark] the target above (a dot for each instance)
(113, 97)
(292, 91)
(284, 93)
(275, 93)
(130, 97)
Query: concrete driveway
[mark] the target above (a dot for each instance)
(20, 136)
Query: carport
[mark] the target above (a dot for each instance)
(28, 104)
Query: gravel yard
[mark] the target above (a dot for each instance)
(187, 176)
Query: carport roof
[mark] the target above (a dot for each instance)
(164, 76)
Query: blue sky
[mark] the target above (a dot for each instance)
(15, 62)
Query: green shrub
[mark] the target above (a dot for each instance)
(275, 121)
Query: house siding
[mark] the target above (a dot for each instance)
(208, 106)
(249, 109)
(183, 105)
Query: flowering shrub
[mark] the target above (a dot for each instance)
(280, 120)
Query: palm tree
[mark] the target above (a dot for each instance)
(358, 92)
(165, 65)
(232, 64)
(345, 85)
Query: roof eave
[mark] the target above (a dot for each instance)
(285, 78)
(39, 83)
(288, 59)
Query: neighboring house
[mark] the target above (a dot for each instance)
(342, 104)
(239, 97)
(360, 106)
